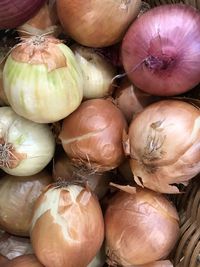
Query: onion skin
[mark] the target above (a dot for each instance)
(92, 135)
(96, 23)
(15, 12)
(66, 219)
(17, 198)
(160, 51)
(163, 143)
(24, 261)
(145, 221)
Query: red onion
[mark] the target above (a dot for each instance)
(15, 12)
(161, 52)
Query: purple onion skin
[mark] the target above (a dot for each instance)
(161, 50)
(14, 13)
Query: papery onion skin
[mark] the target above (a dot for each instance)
(96, 23)
(27, 146)
(42, 79)
(17, 198)
(24, 261)
(163, 143)
(15, 12)
(160, 51)
(140, 228)
(92, 135)
(97, 72)
(67, 226)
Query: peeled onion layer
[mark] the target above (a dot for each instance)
(24, 261)
(42, 80)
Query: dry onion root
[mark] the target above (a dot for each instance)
(92, 135)
(163, 143)
(141, 228)
(67, 226)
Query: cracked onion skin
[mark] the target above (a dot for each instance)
(141, 228)
(92, 135)
(67, 226)
(163, 144)
(96, 23)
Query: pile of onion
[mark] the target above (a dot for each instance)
(141, 228)
(163, 144)
(23, 261)
(67, 226)
(92, 135)
(97, 23)
(160, 50)
(17, 197)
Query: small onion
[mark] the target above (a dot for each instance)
(42, 80)
(140, 228)
(163, 142)
(92, 135)
(24, 261)
(97, 72)
(67, 226)
(26, 147)
(160, 51)
(17, 198)
(15, 12)
(97, 23)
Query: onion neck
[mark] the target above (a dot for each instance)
(157, 63)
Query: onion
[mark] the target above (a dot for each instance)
(67, 226)
(92, 135)
(163, 143)
(160, 51)
(97, 72)
(17, 197)
(131, 100)
(140, 228)
(26, 147)
(96, 23)
(64, 169)
(15, 12)
(24, 261)
(13, 246)
(45, 21)
(41, 69)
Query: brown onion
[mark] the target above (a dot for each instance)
(131, 100)
(92, 135)
(64, 169)
(67, 226)
(163, 143)
(140, 228)
(24, 261)
(97, 23)
(17, 197)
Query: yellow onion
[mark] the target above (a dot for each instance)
(17, 197)
(64, 169)
(163, 143)
(98, 73)
(26, 147)
(13, 246)
(24, 261)
(97, 23)
(92, 135)
(42, 80)
(67, 226)
(45, 21)
(141, 228)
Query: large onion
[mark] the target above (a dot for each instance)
(163, 143)
(17, 197)
(97, 23)
(67, 226)
(140, 228)
(160, 51)
(15, 12)
(24, 261)
(92, 135)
